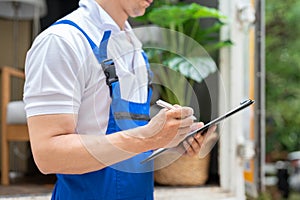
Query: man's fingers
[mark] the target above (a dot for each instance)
(212, 128)
(186, 145)
(183, 131)
(194, 146)
(181, 112)
(190, 147)
(186, 122)
(197, 125)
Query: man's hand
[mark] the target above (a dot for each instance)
(193, 145)
(169, 127)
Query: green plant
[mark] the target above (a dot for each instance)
(282, 76)
(182, 21)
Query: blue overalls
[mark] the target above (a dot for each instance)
(125, 180)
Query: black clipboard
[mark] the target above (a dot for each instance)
(204, 128)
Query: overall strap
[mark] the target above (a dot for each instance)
(100, 52)
(103, 46)
(69, 22)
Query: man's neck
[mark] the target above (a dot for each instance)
(114, 9)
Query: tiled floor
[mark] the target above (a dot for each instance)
(39, 187)
(160, 193)
(28, 185)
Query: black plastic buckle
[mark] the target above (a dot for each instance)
(109, 70)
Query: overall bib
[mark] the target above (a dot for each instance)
(125, 180)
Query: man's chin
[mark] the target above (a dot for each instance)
(138, 14)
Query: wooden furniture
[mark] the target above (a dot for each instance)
(9, 131)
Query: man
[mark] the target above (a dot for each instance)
(89, 127)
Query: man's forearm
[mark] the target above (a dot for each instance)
(113, 148)
(77, 153)
(58, 149)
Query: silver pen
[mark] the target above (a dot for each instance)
(168, 106)
(164, 104)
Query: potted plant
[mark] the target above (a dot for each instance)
(181, 30)
(184, 55)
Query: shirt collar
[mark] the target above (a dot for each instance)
(101, 18)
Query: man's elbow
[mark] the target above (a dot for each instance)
(43, 168)
(43, 160)
(42, 164)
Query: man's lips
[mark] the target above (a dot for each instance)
(149, 2)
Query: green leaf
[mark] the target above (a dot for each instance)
(205, 12)
(215, 28)
(195, 68)
(169, 15)
(218, 45)
(178, 14)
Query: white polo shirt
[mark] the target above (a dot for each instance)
(62, 74)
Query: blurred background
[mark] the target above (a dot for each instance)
(255, 48)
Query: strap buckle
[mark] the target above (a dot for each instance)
(109, 70)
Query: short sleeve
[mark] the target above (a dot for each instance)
(53, 83)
